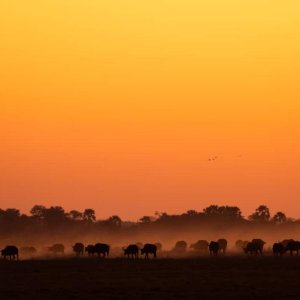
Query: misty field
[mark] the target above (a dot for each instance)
(233, 277)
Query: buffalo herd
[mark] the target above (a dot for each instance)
(254, 247)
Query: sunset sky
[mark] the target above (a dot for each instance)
(119, 105)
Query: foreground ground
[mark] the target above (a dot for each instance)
(201, 278)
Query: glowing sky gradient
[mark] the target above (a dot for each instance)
(118, 105)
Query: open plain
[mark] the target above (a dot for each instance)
(230, 277)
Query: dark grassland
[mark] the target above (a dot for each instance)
(232, 277)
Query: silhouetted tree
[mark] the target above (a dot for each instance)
(211, 210)
(37, 211)
(162, 216)
(232, 212)
(75, 215)
(146, 219)
(192, 212)
(10, 220)
(54, 215)
(279, 218)
(89, 215)
(11, 214)
(261, 214)
(115, 221)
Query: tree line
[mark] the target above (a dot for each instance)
(12, 220)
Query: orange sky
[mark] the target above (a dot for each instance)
(117, 105)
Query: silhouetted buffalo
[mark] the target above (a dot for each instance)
(293, 246)
(278, 249)
(214, 248)
(90, 250)
(11, 251)
(28, 251)
(200, 246)
(253, 249)
(101, 249)
(222, 245)
(149, 249)
(180, 247)
(260, 244)
(286, 242)
(57, 248)
(131, 251)
(78, 248)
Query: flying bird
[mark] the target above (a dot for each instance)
(213, 158)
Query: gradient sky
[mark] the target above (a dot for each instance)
(118, 105)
